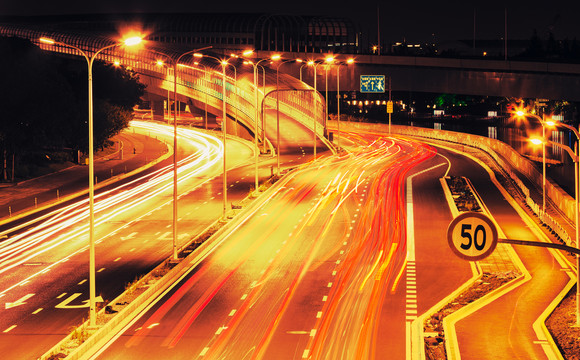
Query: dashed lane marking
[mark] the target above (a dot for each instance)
(10, 328)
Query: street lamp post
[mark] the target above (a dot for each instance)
(349, 61)
(544, 123)
(577, 207)
(576, 159)
(175, 65)
(255, 66)
(315, 65)
(223, 63)
(131, 41)
(328, 60)
(205, 78)
(278, 114)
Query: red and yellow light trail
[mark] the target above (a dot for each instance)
(338, 228)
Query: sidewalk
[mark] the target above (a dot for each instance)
(26, 196)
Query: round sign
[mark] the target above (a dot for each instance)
(472, 236)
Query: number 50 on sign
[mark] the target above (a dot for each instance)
(472, 236)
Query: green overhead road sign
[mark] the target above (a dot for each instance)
(372, 83)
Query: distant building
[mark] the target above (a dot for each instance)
(268, 32)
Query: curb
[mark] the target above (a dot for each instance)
(148, 298)
(551, 349)
(100, 185)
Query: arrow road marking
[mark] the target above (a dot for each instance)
(19, 302)
(65, 303)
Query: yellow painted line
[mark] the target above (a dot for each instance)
(9, 329)
(371, 271)
(398, 278)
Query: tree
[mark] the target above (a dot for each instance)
(44, 100)
(113, 87)
(535, 49)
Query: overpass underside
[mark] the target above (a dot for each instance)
(485, 83)
(517, 79)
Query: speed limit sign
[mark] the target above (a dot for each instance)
(472, 236)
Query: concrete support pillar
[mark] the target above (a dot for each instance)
(158, 109)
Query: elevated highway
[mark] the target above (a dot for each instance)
(523, 79)
(201, 84)
(314, 38)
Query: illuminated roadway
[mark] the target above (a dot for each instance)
(43, 265)
(318, 271)
(327, 268)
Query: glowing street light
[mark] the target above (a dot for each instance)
(131, 41)
(520, 113)
(537, 141)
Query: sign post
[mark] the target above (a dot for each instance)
(473, 236)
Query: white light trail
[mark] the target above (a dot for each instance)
(69, 225)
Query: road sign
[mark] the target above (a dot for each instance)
(472, 236)
(372, 83)
(389, 107)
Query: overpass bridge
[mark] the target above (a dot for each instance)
(200, 83)
(314, 37)
(519, 79)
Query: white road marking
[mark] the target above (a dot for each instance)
(18, 302)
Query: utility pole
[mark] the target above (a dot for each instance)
(378, 30)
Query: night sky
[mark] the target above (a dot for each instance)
(410, 20)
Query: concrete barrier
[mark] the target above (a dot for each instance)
(503, 154)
